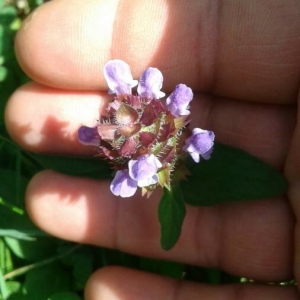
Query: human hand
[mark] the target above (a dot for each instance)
(242, 61)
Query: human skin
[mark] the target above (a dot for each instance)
(242, 60)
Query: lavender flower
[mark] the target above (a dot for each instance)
(178, 102)
(123, 185)
(140, 136)
(88, 136)
(144, 170)
(118, 77)
(150, 84)
(200, 144)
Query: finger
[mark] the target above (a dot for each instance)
(121, 284)
(235, 49)
(292, 172)
(85, 211)
(43, 119)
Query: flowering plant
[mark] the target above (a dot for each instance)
(145, 140)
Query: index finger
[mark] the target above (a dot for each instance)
(238, 49)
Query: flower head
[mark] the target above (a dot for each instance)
(200, 144)
(141, 136)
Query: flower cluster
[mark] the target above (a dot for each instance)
(144, 139)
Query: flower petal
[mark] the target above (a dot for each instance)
(178, 101)
(149, 181)
(207, 154)
(150, 84)
(144, 167)
(122, 185)
(88, 136)
(118, 77)
(197, 130)
(195, 156)
(200, 144)
(204, 141)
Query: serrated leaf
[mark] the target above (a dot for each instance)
(171, 213)
(231, 175)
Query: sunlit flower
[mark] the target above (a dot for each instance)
(141, 135)
(118, 77)
(200, 144)
(123, 185)
(178, 102)
(150, 84)
(144, 170)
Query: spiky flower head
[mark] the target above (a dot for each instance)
(144, 139)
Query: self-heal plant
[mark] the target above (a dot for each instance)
(145, 140)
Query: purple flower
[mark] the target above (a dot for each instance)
(144, 170)
(88, 136)
(150, 84)
(178, 101)
(136, 129)
(122, 185)
(118, 77)
(200, 144)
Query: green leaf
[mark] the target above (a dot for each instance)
(81, 262)
(26, 235)
(43, 282)
(6, 261)
(40, 248)
(18, 296)
(3, 73)
(8, 190)
(13, 287)
(171, 213)
(12, 208)
(76, 166)
(231, 175)
(4, 291)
